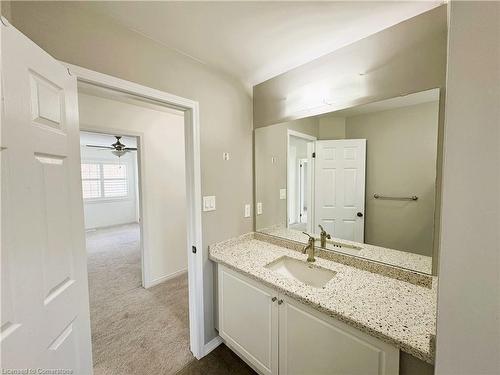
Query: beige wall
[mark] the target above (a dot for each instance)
(163, 175)
(71, 32)
(270, 177)
(401, 151)
(331, 127)
(468, 325)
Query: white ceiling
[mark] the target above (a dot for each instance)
(255, 41)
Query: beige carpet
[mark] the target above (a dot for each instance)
(134, 330)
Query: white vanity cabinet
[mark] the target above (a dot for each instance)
(278, 335)
(248, 319)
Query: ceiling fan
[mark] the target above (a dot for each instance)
(117, 148)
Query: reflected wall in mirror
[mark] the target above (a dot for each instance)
(366, 175)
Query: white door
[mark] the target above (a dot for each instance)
(339, 188)
(248, 320)
(45, 309)
(313, 343)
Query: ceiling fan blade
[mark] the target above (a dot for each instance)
(130, 148)
(106, 147)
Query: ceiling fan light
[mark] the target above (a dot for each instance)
(119, 153)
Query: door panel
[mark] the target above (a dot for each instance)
(248, 320)
(340, 187)
(43, 248)
(312, 343)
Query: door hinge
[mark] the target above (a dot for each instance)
(193, 249)
(314, 155)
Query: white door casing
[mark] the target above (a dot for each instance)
(303, 189)
(339, 188)
(45, 308)
(311, 147)
(196, 259)
(292, 170)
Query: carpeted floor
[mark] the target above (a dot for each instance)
(137, 331)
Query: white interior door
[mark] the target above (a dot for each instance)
(339, 188)
(45, 308)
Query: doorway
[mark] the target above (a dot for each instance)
(111, 199)
(299, 182)
(134, 190)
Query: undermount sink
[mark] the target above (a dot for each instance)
(304, 272)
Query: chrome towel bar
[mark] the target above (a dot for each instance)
(412, 198)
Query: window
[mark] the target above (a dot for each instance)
(104, 181)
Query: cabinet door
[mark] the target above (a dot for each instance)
(313, 343)
(248, 320)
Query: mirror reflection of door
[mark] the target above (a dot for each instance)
(340, 188)
(298, 180)
(303, 190)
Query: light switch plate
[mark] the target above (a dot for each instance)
(247, 210)
(282, 193)
(209, 203)
(259, 208)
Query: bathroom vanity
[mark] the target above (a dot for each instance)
(284, 315)
(347, 158)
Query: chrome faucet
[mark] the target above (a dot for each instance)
(324, 236)
(309, 248)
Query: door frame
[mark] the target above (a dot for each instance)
(193, 187)
(302, 183)
(294, 133)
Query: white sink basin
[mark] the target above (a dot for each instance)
(302, 271)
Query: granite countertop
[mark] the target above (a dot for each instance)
(398, 312)
(404, 259)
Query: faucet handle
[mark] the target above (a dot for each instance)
(311, 238)
(322, 230)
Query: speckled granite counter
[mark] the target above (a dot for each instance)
(408, 260)
(395, 311)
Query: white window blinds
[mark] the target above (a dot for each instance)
(104, 181)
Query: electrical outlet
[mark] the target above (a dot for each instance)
(225, 156)
(259, 208)
(247, 210)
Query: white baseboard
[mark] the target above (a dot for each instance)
(159, 280)
(211, 345)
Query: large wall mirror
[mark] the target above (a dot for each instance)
(366, 175)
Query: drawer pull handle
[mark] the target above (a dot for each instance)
(274, 299)
(280, 302)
